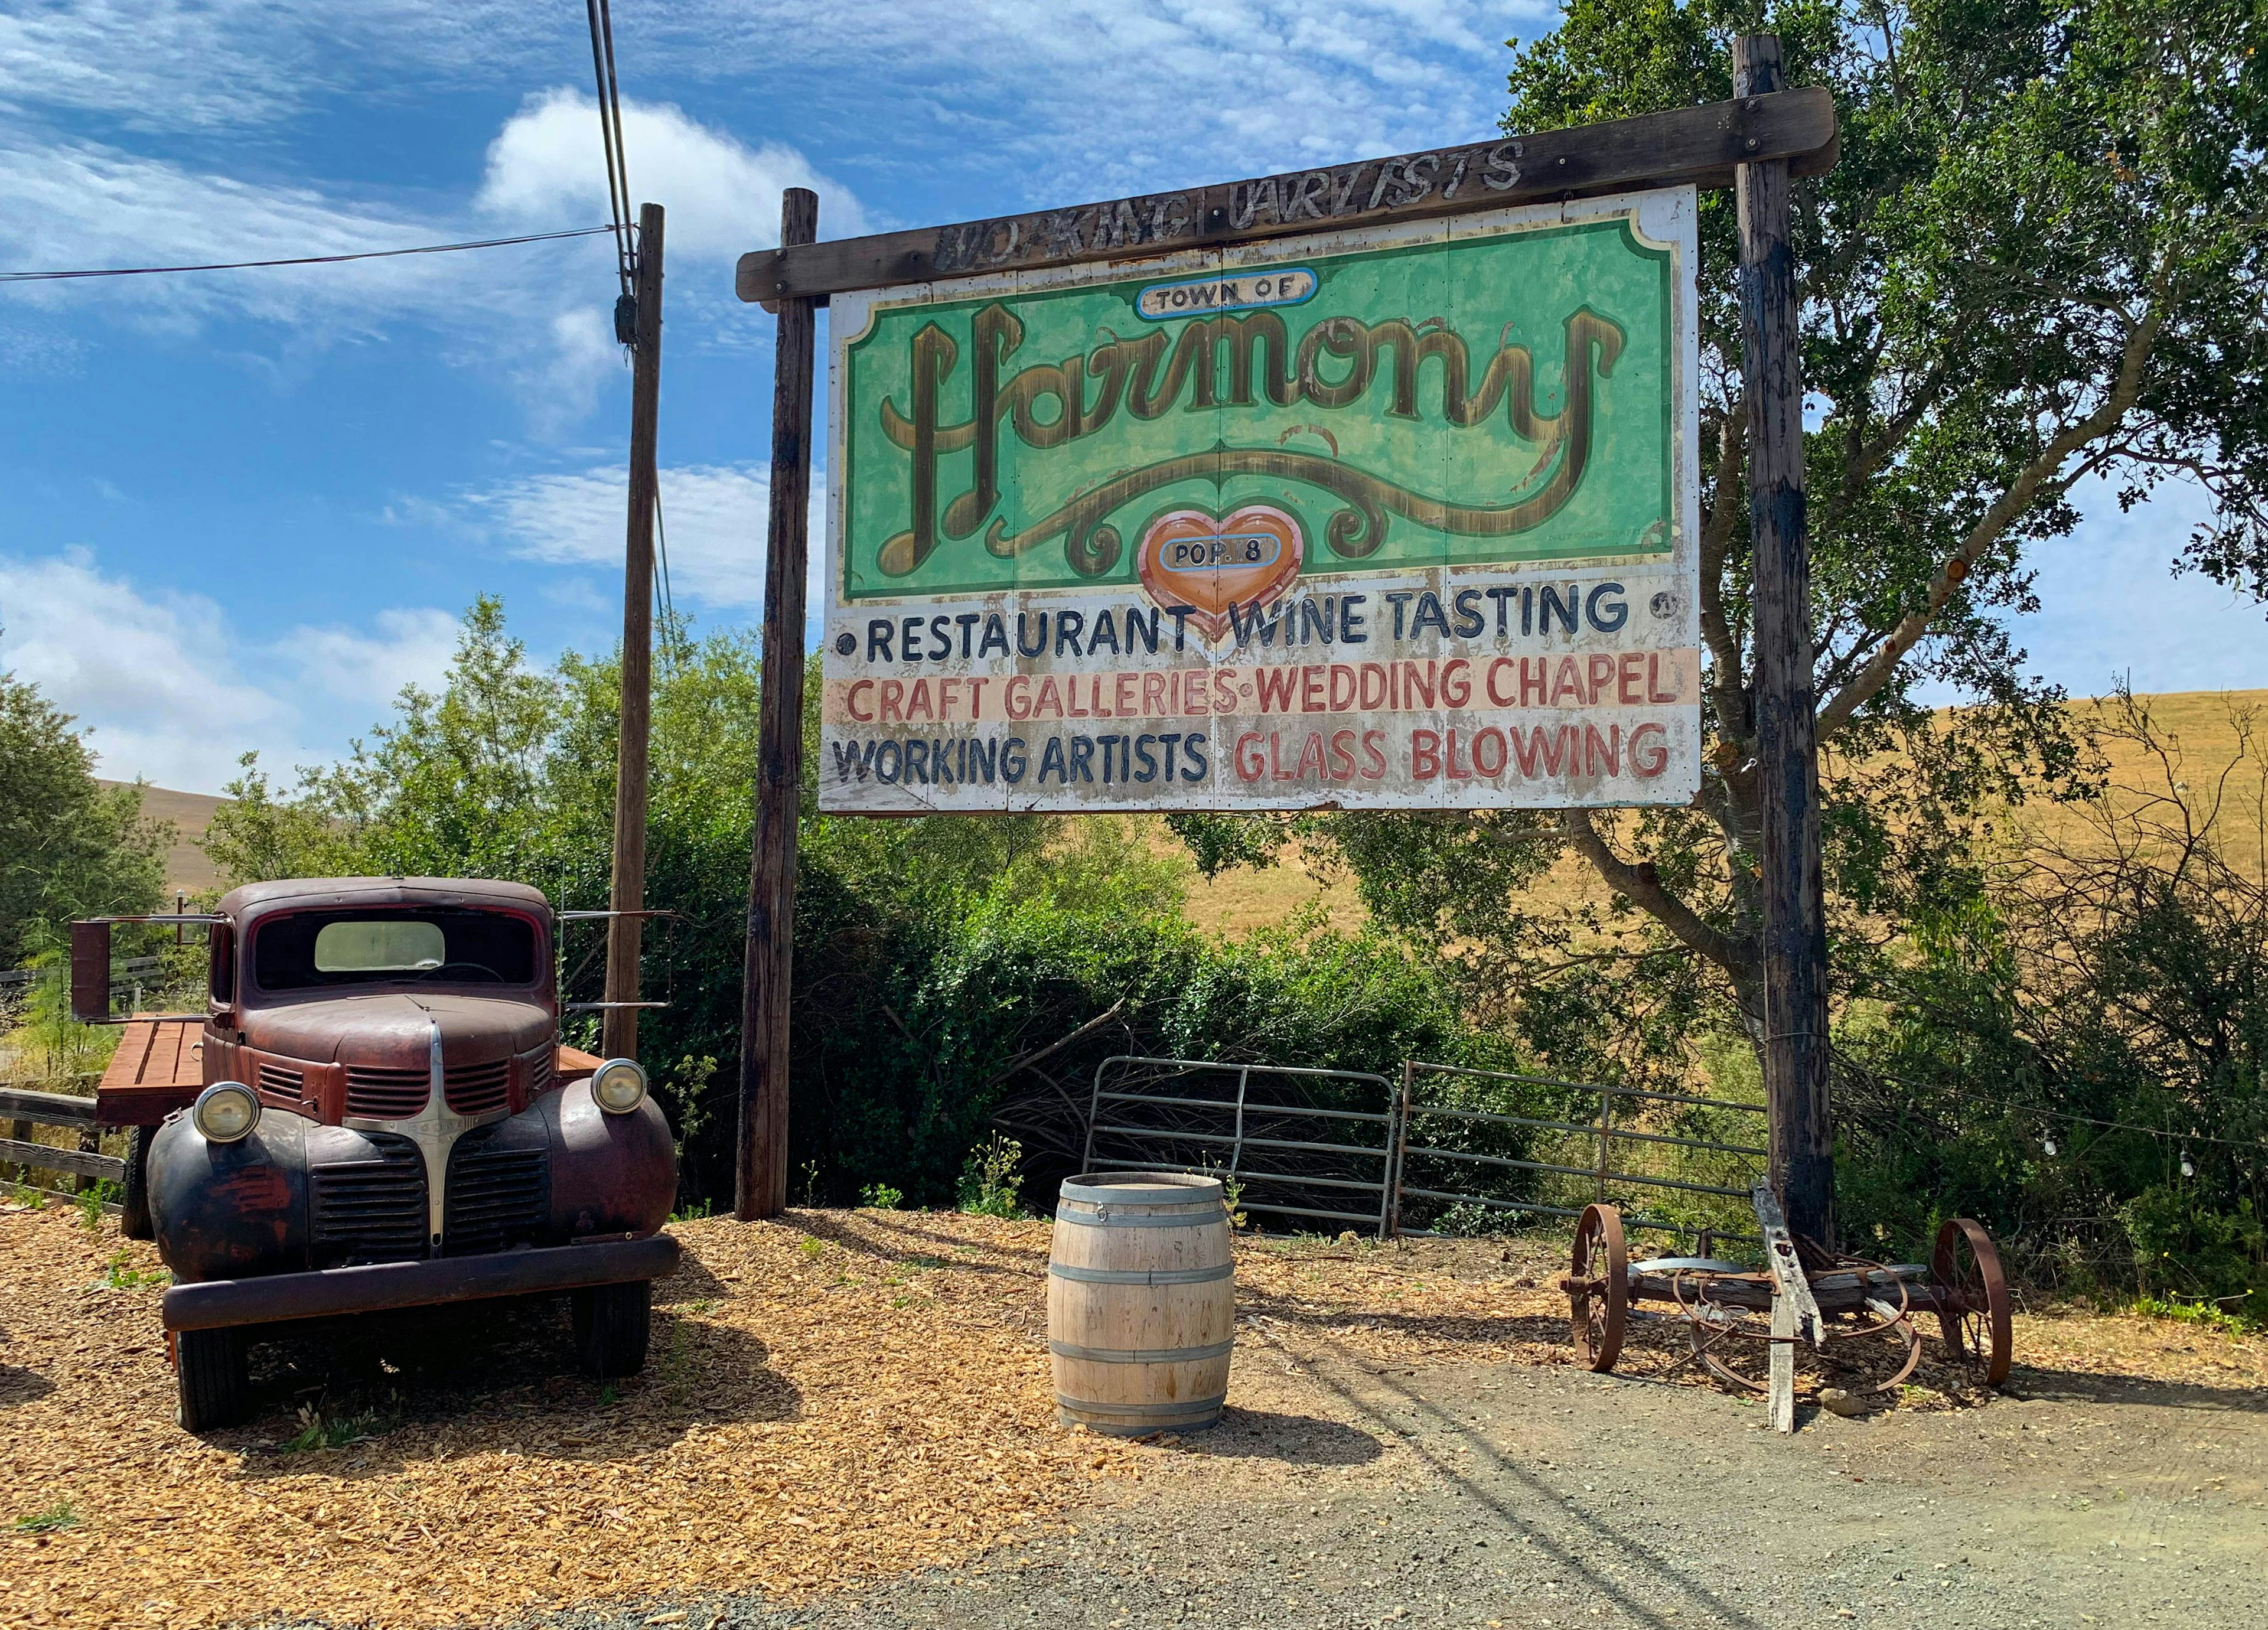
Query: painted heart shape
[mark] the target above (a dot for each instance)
(1188, 558)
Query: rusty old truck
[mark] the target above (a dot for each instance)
(374, 1111)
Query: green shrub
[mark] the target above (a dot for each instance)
(90, 1202)
(991, 1185)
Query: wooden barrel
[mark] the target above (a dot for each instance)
(1141, 1302)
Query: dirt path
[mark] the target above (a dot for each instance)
(1343, 1491)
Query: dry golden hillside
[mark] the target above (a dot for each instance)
(2204, 727)
(187, 867)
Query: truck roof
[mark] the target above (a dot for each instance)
(351, 891)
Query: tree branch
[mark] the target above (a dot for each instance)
(2004, 512)
(1642, 884)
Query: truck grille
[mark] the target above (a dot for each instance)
(539, 1071)
(285, 1083)
(498, 1196)
(388, 1094)
(369, 1210)
(477, 1088)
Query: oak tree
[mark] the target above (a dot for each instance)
(2039, 262)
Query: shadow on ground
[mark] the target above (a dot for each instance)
(1295, 1439)
(491, 1375)
(954, 1252)
(2072, 1386)
(18, 1385)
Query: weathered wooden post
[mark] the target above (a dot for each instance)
(761, 1189)
(1795, 1052)
(626, 899)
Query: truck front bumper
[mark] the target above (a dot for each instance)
(213, 1304)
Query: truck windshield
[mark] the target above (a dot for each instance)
(313, 949)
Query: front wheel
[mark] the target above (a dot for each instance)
(211, 1370)
(611, 1322)
(134, 1219)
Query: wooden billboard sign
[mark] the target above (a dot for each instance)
(1365, 486)
(1390, 516)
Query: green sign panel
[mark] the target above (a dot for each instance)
(1486, 396)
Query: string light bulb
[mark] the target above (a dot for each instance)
(2189, 1169)
(2047, 1142)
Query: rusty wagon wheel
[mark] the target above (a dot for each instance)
(1972, 1298)
(1598, 1287)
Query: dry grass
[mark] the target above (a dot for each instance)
(835, 1398)
(187, 867)
(2204, 722)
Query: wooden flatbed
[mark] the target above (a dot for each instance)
(159, 1067)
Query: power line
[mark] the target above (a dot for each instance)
(673, 643)
(610, 135)
(2164, 1134)
(300, 260)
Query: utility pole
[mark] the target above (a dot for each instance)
(619, 1027)
(761, 1189)
(1795, 1053)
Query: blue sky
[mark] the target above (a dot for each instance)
(244, 507)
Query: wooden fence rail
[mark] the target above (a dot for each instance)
(24, 1109)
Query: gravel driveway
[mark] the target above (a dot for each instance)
(1342, 1492)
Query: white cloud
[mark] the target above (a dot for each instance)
(409, 647)
(714, 515)
(155, 676)
(722, 198)
(1088, 98)
(181, 64)
(175, 693)
(716, 519)
(201, 65)
(1076, 99)
(80, 205)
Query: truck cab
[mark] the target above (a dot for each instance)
(374, 1111)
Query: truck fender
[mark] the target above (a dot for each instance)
(230, 1210)
(610, 1174)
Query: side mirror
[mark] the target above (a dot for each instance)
(90, 968)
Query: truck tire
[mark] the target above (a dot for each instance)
(134, 1220)
(611, 1326)
(211, 1370)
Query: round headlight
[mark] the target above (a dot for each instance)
(226, 1111)
(619, 1085)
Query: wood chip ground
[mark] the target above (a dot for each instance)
(833, 1400)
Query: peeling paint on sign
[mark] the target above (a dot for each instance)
(1389, 517)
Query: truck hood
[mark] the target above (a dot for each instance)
(395, 1031)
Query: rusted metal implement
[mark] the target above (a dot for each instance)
(1803, 1294)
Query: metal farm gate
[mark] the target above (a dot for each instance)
(1564, 1162)
(1444, 1149)
(1265, 1127)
